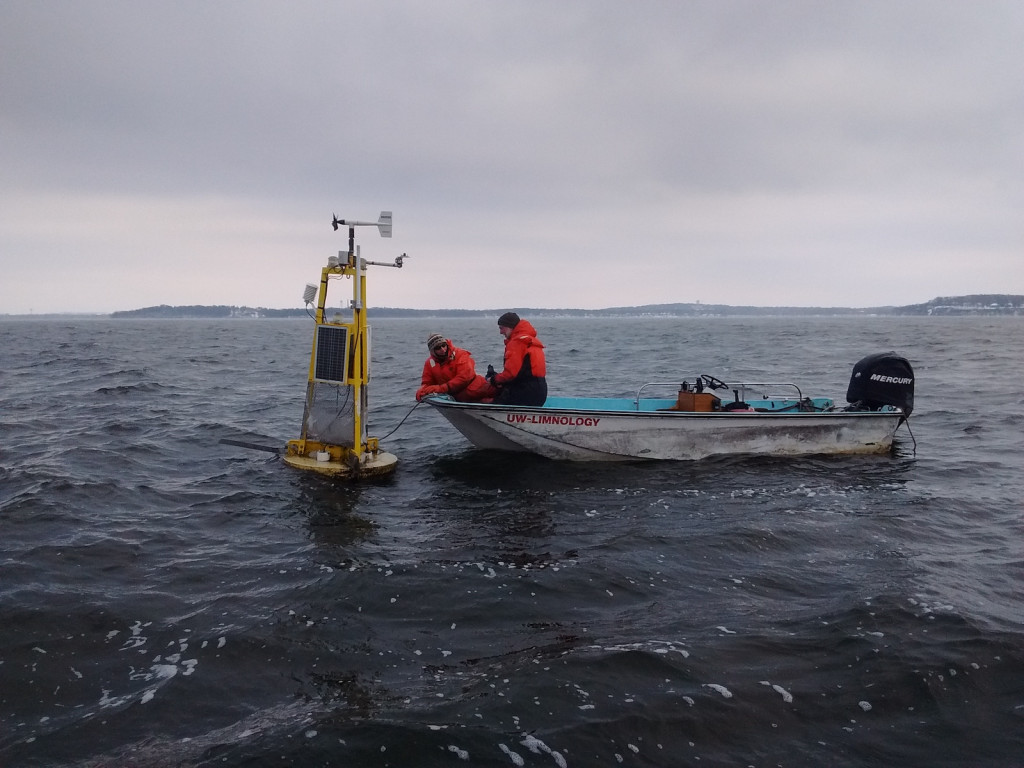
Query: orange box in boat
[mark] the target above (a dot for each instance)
(699, 402)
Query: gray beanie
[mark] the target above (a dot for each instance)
(508, 320)
(434, 340)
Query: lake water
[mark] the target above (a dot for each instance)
(168, 600)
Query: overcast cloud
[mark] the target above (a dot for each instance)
(545, 154)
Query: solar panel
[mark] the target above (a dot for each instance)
(331, 362)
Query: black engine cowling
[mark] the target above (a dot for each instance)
(882, 379)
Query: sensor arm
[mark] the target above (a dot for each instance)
(397, 263)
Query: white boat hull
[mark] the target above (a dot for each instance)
(615, 435)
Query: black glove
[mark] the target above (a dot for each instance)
(490, 375)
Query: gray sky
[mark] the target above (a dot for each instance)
(548, 154)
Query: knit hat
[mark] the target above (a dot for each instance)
(435, 339)
(508, 320)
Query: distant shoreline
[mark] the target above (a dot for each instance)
(974, 305)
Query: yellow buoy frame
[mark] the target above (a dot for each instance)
(363, 458)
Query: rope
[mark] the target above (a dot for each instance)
(389, 434)
(906, 421)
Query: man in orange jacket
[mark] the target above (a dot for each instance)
(450, 370)
(522, 382)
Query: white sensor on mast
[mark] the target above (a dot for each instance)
(383, 224)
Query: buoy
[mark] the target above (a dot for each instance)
(333, 440)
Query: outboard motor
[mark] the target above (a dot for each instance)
(882, 379)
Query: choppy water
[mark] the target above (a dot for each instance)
(169, 600)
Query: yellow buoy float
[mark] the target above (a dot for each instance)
(333, 439)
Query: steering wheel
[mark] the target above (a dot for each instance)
(714, 383)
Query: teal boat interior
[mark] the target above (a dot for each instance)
(645, 404)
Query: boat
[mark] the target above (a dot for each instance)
(774, 419)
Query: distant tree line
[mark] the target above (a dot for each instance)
(975, 304)
(215, 311)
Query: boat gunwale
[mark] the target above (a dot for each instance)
(440, 402)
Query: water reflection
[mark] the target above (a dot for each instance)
(329, 507)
